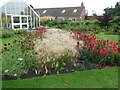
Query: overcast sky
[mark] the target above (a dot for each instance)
(90, 5)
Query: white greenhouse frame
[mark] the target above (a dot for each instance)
(29, 18)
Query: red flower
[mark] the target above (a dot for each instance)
(95, 52)
(91, 45)
(78, 32)
(104, 51)
(78, 43)
(71, 33)
(119, 50)
(85, 37)
(73, 37)
(81, 37)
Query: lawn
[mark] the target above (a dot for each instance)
(0, 74)
(109, 37)
(9, 40)
(104, 78)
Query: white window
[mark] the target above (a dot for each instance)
(16, 19)
(44, 11)
(72, 19)
(61, 18)
(16, 26)
(24, 26)
(53, 18)
(24, 19)
(63, 11)
(75, 10)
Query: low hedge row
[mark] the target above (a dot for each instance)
(86, 25)
(9, 33)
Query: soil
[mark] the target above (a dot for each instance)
(68, 69)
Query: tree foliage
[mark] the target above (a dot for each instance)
(113, 11)
(110, 14)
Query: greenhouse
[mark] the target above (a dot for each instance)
(17, 14)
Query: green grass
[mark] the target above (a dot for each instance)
(0, 74)
(109, 37)
(104, 78)
(9, 40)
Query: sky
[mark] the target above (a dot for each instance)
(90, 5)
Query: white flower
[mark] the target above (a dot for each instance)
(15, 74)
(20, 59)
(6, 71)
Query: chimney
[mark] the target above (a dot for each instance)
(82, 4)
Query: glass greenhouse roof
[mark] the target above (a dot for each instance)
(18, 13)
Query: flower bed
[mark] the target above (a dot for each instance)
(98, 51)
(45, 52)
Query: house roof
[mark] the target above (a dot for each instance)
(60, 12)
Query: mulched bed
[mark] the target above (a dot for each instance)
(68, 69)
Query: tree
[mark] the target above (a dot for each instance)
(109, 11)
(113, 11)
(104, 20)
(117, 9)
(109, 14)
